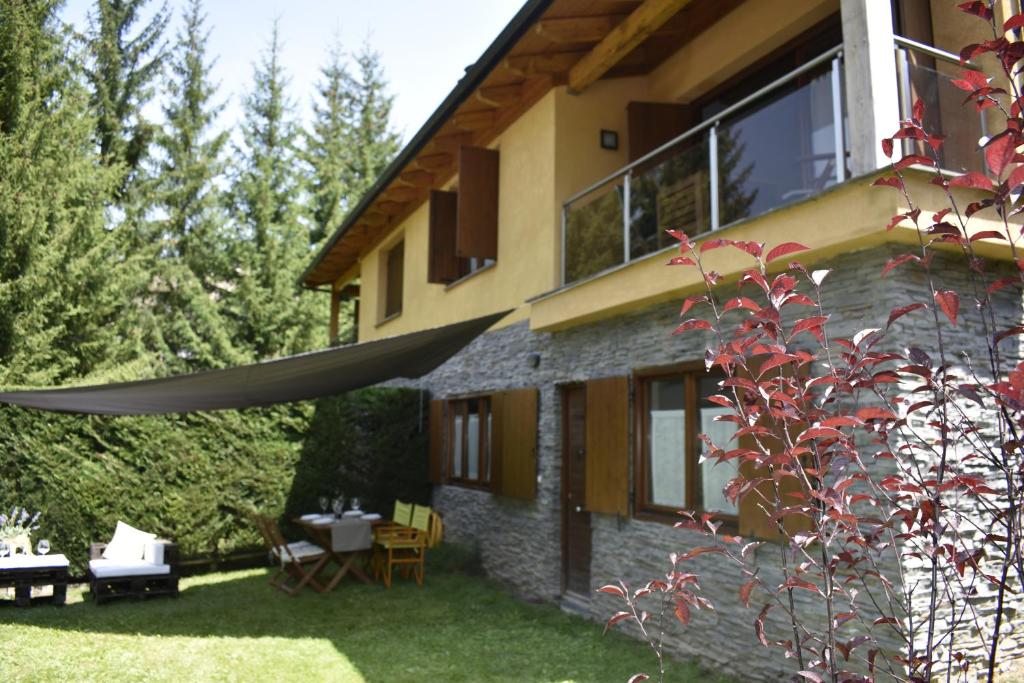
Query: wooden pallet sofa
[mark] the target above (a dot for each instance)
(133, 564)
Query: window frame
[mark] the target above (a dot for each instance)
(691, 373)
(389, 286)
(485, 447)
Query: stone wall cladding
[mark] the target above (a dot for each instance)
(520, 541)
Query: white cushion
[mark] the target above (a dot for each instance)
(153, 552)
(299, 550)
(107, 569)
(127, 544)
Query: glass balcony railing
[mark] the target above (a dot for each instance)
(926, 73)
(783, 143)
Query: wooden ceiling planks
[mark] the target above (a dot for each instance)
(542, 58)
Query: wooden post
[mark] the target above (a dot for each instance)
(335, 311)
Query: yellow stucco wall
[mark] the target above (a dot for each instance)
(526, 211)
(553, 151)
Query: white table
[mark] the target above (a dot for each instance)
(25, 571)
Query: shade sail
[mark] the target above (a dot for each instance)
(295, 378)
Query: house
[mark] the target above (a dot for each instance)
(564, 439)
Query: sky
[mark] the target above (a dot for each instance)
(425, 45)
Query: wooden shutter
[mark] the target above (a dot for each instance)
(608, 445)
(435, 435)
(514, 443)
(442, 264)
(477, 222)
(395, 273)
(652, 124)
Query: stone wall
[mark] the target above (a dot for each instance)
(520, 541)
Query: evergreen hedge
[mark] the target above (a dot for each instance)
(196, 478)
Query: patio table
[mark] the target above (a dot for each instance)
(25, 571)
(345, 540)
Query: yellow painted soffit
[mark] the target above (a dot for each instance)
(845, 219)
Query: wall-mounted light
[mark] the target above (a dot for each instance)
(533, 359)
(609, 139)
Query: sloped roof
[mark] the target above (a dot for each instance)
(535, 52)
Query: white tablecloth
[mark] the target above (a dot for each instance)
(33, 562)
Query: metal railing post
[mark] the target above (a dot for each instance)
(713, 163)
(625, 218)
(565, 240)
(903, 83)
(837, 118)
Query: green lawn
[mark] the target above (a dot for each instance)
(233, 627)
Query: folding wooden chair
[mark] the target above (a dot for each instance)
(294, 558)
(406, 547)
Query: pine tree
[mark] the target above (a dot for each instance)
(189, 258)
(271, 240)
(351, 140)
(372, 139)
(61, 303)
(328, 148)
(121, 72)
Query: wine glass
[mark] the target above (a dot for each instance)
(324, 502)
(356, 505)
(338, 506)
(43, 547)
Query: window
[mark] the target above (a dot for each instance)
(394, 265)
(469, 442)
(463, 224)
(673, 410)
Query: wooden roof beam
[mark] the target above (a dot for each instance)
(623, 39)
(474, 120)
(577, 29)
(499, 95)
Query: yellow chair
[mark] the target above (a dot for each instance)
(406, 546)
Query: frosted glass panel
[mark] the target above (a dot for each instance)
(473, 447)
(714, 475)
(668, 458)
(457, 447)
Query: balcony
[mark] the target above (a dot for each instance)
(783, 143)
(926, 73)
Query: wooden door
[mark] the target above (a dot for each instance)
(575, 518)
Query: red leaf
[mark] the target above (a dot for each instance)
(901, 311)
(759, 625)
(975, 79)
(912, 159)
(949, 303)
(692, 301)
(783, 249)
(889, 181)
(638, 678)
(807, 324)
(1016, 21)
(692, 324)
(712, 244)
(917, 113)
(1003, 282)
(887, 146)
(682, 612)
(740, 302)
(841, 421)
(818, 433)
(988, 235)
(681, 261)
(999, 151)
(612, 590)
(797, 582)
(1016, 178)
(898, 261)
(700, 551)
(973, 179)
(616, 618)
(875, 414)
(810, 675)
(745, 590)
